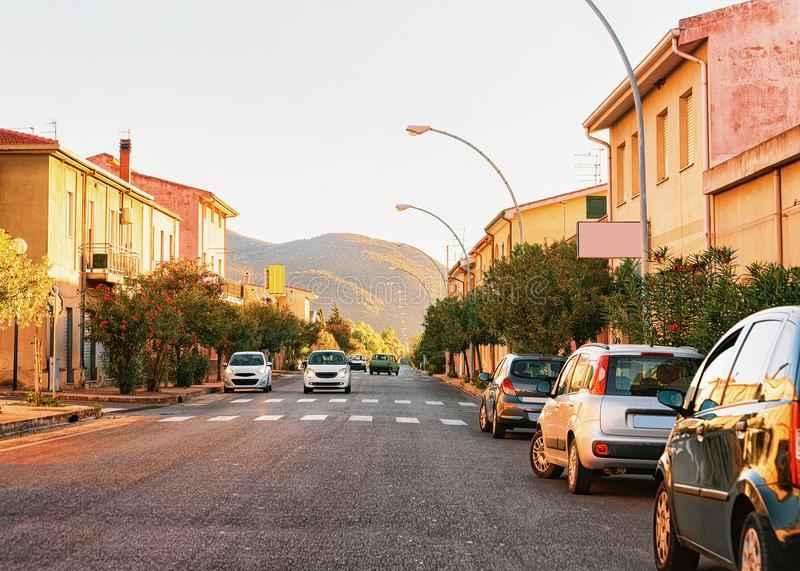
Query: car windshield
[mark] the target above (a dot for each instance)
(381, 357)
(536, 369)
(327, 358)
(644, 375)
(357, 358)
(247, 360)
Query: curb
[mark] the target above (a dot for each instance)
(460, 385)
(36, 424)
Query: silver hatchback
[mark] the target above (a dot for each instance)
(603, 415)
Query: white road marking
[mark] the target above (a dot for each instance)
(273, 400)
(175, 418)
(242, 400)
(306, 400)
(452, 422)
(466, 404)
(434, 402)
(269, 417)
(111, 409)
(314, 417)
(358, 418)
(402, 402)
(407, 420)
(337, 400)
(369, 400)
(221, 418)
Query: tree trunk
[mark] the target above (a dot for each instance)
(480, 360)
(451, 364)
(219, 365)
(466, 365)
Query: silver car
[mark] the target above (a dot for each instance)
(603, 415)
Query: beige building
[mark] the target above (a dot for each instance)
(92, 227)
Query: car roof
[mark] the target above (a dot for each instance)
(327, 351)
(623, 348)
(793, 311)
(248, 353)
(535, 356)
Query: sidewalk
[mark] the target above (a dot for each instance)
(459, 383)
(167, 395)
(17, 417)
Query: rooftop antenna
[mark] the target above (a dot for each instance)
(52, 129)
(589, 169)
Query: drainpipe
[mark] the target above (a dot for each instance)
(706, 127)
(594, 139)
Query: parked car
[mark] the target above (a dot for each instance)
(513, 399)
(358, 363)
(730, 474)
(327, 370)
(382, 363)
(247, 370)
(603, 414)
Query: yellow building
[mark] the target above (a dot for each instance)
(92, 228)
(298, 301)
(544, 221)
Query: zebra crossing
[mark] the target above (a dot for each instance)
(308, 418)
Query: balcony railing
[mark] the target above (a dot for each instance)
(106, 259)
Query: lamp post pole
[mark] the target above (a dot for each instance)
(434, 262)
(637, 102)
(422, 129)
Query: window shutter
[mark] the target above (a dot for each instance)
(691, 129)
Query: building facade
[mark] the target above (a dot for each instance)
(92, 228)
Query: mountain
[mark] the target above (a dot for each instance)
(382, 283)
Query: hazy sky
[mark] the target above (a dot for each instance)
(294, 111)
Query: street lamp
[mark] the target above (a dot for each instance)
(20, 247)
(416, 277)
(434, 262)
(416, 130)
(637, 102)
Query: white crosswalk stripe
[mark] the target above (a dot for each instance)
(221, 418)
(407, 420)
(268, 417)
(434, 402)
(452, 422)
(359, 418)
(466, 404)
(369, 400)
(337, 400)
(273, 400)
(109, 410)
(306, 400)
(402, 402)
(314, 417)
(175, 418)
(242, 400)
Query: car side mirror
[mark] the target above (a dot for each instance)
(544, 387)
(484, 377)
(672, 398)
(224, 364)
(269, 363)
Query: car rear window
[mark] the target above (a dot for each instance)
(253, 360)
(327, 358)
(536, 369)
(645, 375)
(381, 357)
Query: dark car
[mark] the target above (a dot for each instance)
(730, 473)
(514, 398)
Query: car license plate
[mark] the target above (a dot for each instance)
(533, 416)
(529, 400)
(653, 421)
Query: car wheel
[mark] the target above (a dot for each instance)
(306, 390)
(498, 428)
(483, 418)
(758, 547)
(265, 389)
(579, 478)
(540, 465)
(669, 554)
(347, 390)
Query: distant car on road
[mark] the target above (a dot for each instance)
(513, 399)
(327, 370)
(730, 474)
(603, 415)
(247, 370)
(358, 363)
(383, 363)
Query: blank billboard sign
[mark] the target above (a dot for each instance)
(609, 239)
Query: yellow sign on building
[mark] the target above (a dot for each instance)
(276, 279)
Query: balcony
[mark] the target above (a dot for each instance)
(110, 263)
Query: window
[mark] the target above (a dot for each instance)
(498, 372)
(635, 164)
(219, 267)
(781, 373)
(536, 369)
(688, 129)
(619, 181)
(712, 382)
(566, 375)
(662, 144)
(645, 375)
(582, 376)
(247, 360)
(161, 250)
(70, 215)
(332, 358)
(748, 373)
(171, 247)
(595, 207)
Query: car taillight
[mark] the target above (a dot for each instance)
(794, 445)
(508, 387)
(600, 448)
(600, 376)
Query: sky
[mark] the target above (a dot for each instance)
(293, 111)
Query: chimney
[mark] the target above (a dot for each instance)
(125, 159)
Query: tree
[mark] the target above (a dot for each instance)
(392, 343)
(24, 285)
(366, 340)
(543, 297)
(443, 330)
(341, 329)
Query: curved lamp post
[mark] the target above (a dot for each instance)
(415, 130)
(416, 277)
(434, 262)
(637, 102)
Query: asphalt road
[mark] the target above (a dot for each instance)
(395, 476)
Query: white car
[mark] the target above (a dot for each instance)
(327, 370)
(247, 370)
